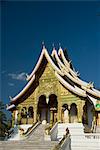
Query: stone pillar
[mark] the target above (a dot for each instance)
(51, 117)
(27, 115)
(59, 109)
(69, 113)
(35, 114)
(59, 114)
(62, 114)
(66, 116)
(16, 117)
(80, 112)
(98, 119)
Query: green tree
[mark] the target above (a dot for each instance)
(3, 125)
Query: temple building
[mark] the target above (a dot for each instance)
(55, 93)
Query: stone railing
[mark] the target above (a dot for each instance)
(28, 133)
(54, 132)
(13, 133)
(64, 144)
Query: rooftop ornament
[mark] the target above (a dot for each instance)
(10, 98)
(90, 85)
(27, 76)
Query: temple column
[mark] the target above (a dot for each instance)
(27, 115)
(47, 111)
(59, 114)
(51, 116)
(98, 119)
(94, 118)
(16, 117)
(35, 113)
(80, 112)
(59, 110)
(62, 114)
(69, 113)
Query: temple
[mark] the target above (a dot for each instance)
(55, 93)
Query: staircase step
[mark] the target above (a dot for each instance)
(35, 141)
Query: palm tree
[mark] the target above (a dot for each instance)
(3, 120)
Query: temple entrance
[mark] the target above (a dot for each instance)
(65, 113)
(88, 114)
(42, 109)
(47, 110)
(73, 113)
(53, 106)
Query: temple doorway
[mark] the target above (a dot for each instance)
(73, 113)
(42, 109)
(65, 113)
(88, 113)
(47, 110)
(53, 106)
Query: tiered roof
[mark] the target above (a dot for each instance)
(64, 73)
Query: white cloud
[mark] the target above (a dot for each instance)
(11, 84)
(21, 76)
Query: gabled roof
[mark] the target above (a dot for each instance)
(62, 69)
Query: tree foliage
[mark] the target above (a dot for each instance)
(3, 124)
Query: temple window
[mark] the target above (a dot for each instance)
(24, 112)
(30, 112)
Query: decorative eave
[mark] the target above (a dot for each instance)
(9, 107)
(63, 69)
(93, 100)
(73, 76)
(67, 63)
(24, 89)
(31, 78)
(74, 89)
(44, 53)
(60, 52)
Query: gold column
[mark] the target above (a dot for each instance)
(98, 119)
(27, 117)
(51, 117)
(69, 113)
(35, 113)
(80, 111)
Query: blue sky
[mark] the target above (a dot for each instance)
(25, 25)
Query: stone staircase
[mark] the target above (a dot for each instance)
(79, 139)
(35, 141)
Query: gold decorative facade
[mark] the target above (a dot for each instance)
(48, 100)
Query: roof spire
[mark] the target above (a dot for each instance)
(10, 98)
(43, 45)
